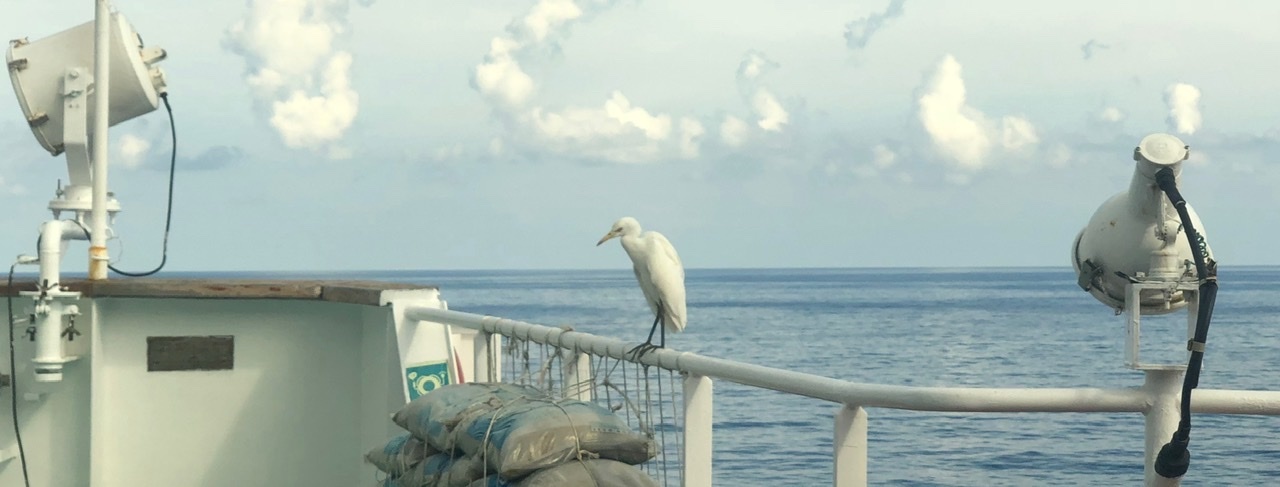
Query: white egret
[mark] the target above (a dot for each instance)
(660, 274)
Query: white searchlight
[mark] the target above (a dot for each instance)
(72, 86)
(42, 71)
(54, 80)
(1136, 237)
(1144, 252)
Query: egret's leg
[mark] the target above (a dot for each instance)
(648, 345)
(645, 347)
(662, 342)
(656, 319)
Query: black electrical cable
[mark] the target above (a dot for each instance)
(1174, 459)
(13, 380)
(168, 217)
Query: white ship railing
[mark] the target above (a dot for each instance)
(1154, 399)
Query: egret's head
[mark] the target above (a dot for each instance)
(625, 226)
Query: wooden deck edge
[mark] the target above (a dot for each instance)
(339, 291)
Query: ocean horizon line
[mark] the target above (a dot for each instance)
(312, 272)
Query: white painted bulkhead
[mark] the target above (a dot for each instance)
(311, 390)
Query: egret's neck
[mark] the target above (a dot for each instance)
(633, 246)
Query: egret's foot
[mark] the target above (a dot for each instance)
(641, 349)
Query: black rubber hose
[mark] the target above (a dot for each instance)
(1174, 458)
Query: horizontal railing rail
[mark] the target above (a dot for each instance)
(915, 398)
(1156, 399)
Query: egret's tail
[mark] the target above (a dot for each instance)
(674, 318)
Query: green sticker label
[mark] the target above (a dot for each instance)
(424, 378)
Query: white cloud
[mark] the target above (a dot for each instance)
(755, 65)
(1184, 108)
(1018, 133)
(617, 131)
(621, 129)
(960, 133)
(500, 76)
(1088, 49)
(132, 151)
(734, 131)
(772, 115)
(296, 71)
(617, 117)
(305, 120)
(1059, 156)
(547, 16)
(882, 159)
(857, 33)
(1111, 114)
(956, 128)
(691, 132)
(878, 162)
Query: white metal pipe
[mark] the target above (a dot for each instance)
(101, 105)
(943, 399)
(851, 447)
(1164, 387)
(1219, 401)
(696, 456)
(48, 341)
(53, 237)
(49, 356)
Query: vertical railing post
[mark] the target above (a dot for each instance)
(578, 383)
(1163, 387)
(483, 372)
(851, 447)
(696, 457)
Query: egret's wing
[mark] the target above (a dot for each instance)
(650, 297)
(663, 249)
(666, 272)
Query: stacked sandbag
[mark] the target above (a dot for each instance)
(432, 417)
(481, 435)
(399, 455)
(584, 473)
(441, 469)
(533, 434)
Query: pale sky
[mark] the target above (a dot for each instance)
(335, 135)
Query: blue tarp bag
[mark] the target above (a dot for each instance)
(398, 455)
(533, 434)
(432, 417)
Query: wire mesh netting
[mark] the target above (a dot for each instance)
(648, 398)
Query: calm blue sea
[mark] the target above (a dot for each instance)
(971, 327)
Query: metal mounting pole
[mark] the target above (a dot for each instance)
(1163, 389)
(101, 106)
